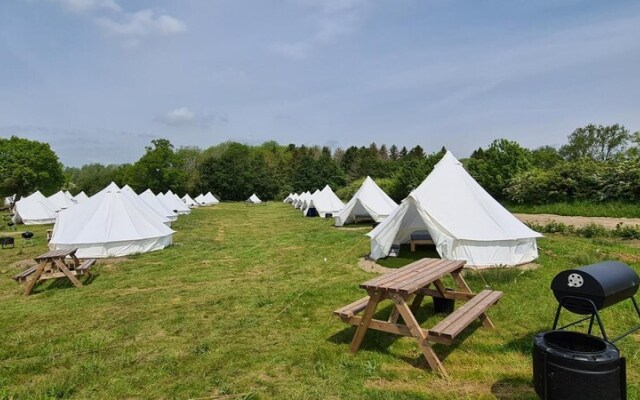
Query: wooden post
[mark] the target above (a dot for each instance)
(68, 273)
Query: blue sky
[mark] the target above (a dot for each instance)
(98, 79)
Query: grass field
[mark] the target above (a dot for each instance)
(584, 209)
(240, 308)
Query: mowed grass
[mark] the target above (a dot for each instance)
(240, 307)
(614, 209)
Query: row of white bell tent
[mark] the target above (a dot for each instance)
(37, 209)
(462, 220)
(116, 222)
(200, 200)
(321, 203)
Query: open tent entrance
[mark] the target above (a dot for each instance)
(312, 212)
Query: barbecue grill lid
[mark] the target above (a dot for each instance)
(610, 281)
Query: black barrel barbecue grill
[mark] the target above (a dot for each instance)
(587, 290)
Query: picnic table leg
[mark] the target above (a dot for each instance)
(34, 279)
(68, 273)
(416, 331)
(366, 319)
(462, 285)
(417, 301)
(393, 318)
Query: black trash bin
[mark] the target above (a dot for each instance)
(572, 365)
(444, 306)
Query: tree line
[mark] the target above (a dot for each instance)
(598, 163)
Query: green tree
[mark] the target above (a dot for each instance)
(494, 167)
(158, 169)
(596, 142)
(27, 166)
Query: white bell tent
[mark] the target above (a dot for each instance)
(288, 199)
(34, 210)
(369, 202)
(80, 197)
(253, 199)
(188, 201)
(152, 201)
(323, 203)
(210, 199)
(463, 220)
(60, 201)
(109, 224)
(177, 203)
(200, 200)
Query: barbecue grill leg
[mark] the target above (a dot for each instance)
(590, 324)
(557, 318)
(635, 304)
(604, 333)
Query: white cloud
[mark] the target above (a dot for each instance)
(83, 6)
(332, 19)
(132, 26)
(142, 23)
(179, 117)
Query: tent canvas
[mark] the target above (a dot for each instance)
(177, 203)
(324, 202)
(200, 200)
(464, 221)
(60, 201)
(109, 224)
(288, 199)
(210, 199)
(152, 201)
(188, 201)
(126, 189)
(80, 197)
(34, 210)
(301, 200)
(254, 199)
(368, 200)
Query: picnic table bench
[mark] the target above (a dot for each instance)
(414, 282)
(54, 265)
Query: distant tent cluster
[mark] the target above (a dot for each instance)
(321, 203)
(112, 223)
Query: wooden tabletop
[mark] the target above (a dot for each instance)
(413, 277)
(56, 254)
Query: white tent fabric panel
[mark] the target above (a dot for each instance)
(464, 221)
(368, 200)
(188, 201)
(144, 207)
(109, 224)
(177, 203)
(210, 199)
(60, 201)
(200, 200)
(34, 210)
(80, 197)
(324, 202)
(152, 201)
(254, 199)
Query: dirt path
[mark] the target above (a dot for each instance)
(609, 223)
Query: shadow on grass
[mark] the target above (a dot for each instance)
(381, 341)
(407, 257)
(514, 387)
(63, 284)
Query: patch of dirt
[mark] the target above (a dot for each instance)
(368, 265)
(578, 222)
(23, 264)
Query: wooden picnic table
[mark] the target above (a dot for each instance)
(54, 265)
(411, 284)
